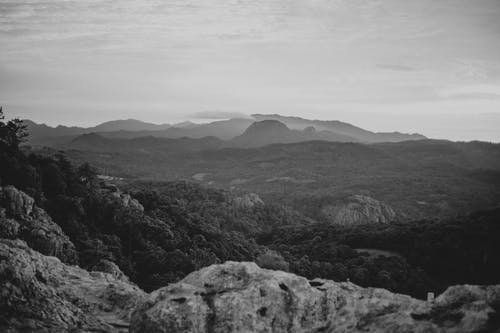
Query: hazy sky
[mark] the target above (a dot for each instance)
(428, 66)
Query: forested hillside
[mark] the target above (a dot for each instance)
(181, 227)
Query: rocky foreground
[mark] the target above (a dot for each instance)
(241, 297)
(41, 294)
(41, 291)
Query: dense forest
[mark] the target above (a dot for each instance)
(418, 179)
(409, 257)
(157, 232)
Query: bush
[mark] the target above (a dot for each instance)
(272, 260)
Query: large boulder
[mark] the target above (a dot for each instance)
(21, 218)
(9, 228)
(15, 202)
(358, 209)
(241, 297)
(40, 294)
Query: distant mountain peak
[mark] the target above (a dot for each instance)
(266, 125)
(264, 132)
(185, 124)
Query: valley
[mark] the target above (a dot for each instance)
(310, 165)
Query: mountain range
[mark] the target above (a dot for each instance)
(257, 131)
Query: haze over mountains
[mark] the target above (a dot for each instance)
(242, 132)
(339, 128)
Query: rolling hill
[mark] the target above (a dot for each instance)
(417, 179)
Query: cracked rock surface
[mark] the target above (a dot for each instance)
(41, 294)
(21, 218)
(241, 297)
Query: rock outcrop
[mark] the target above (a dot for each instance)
(16, 203)
(40, 294)
(21, 218)
(248, 200)
(241, 297)
(122, 200)
(110, 267)
(359, 209)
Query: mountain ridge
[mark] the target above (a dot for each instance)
(270, 131)
(107, 126)
(300, 130)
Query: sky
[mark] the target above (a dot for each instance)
(427, 66)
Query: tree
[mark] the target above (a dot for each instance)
(13, 166)
(12, 133)
(88, 174)
(340, 272)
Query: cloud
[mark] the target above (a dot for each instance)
(395, 67)
(216, 114)
(478, 91)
